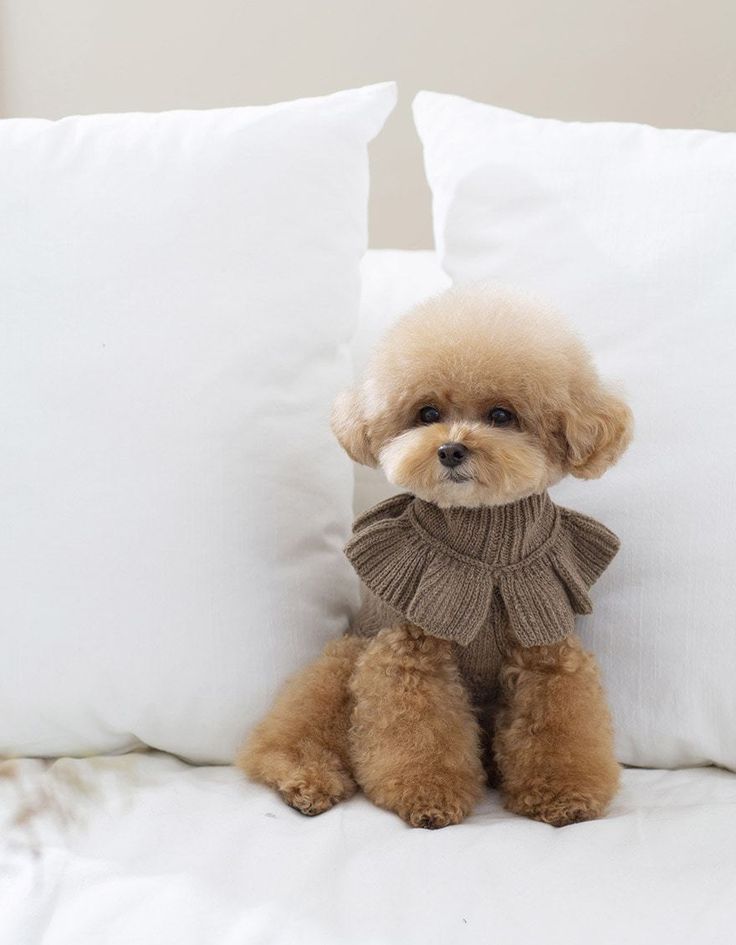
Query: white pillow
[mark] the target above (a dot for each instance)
(178, 292)
(632, 232)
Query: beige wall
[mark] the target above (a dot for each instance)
(668, 62)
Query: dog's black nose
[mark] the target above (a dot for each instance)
(452, 454)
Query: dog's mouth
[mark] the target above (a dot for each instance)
(454, 475)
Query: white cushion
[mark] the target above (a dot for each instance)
(178, 292)
(632, 232)
(144, 850)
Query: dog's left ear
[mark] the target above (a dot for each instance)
(350, 428)
(598, 427)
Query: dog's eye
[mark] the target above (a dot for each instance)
(429, 415)
(500, 417)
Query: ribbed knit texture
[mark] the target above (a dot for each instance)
(475, 575)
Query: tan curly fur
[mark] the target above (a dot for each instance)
(301, 747)
(553, 742)
(392, 713)
(414, 739)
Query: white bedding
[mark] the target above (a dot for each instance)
(144, 849)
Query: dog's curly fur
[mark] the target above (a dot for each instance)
(553, 739)
(414, 739)
(391, 714)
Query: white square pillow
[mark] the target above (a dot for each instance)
(177, 294)
(632, 232)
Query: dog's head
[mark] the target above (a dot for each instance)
(481, 397)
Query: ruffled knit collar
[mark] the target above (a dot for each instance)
(490, 537)
(439, 568)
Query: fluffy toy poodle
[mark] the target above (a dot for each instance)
(462, 667)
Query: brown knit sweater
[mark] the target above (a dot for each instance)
(485, 578)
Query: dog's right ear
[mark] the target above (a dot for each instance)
(349, 426)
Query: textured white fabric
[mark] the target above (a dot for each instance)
(177, 293)
(632, 232)
(145, 850)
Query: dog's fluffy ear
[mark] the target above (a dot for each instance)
(598, 427)
(350, 428)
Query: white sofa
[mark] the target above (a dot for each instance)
(144, 849)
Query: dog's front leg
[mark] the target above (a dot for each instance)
(301, 747)
(414, 738)
(554, 741)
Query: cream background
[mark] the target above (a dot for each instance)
(667, 62)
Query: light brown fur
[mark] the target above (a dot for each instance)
(414, 739)
(392, 713)
(553, 740)
(301, 748)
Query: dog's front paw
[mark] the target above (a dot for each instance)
(433, 806)
(432, 818)
(558, 807)
(314, 792)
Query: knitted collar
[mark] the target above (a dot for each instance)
(440, 567)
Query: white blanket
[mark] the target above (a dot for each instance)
(144, 849)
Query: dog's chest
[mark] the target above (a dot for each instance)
(479, 662)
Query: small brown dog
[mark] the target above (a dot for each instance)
(462, 666)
